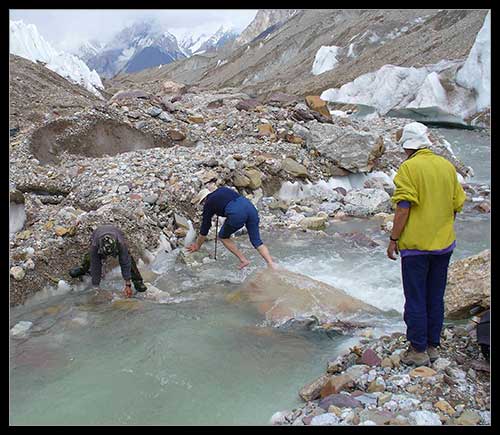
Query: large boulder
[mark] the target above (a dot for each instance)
(248, 104)
(17, 213)
(367, 202)
(282, 295)
(129, 94)
(346, 147)
(469, 285)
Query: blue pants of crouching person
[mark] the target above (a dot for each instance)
(424, 283)
(239, 212)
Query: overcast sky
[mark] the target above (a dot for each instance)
(66, 29)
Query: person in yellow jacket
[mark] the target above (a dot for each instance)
(427, 197)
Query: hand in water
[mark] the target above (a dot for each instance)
(127, 290)
(193, 247)
(273, 266)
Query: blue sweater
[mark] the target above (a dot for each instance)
(215, 204)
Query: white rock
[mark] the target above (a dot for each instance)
(325, 420)
(17, 272)
(29, 264)
(279, 418)
(21, 328)
(29, 251)
(424, 418)
(63, 286)
(367, 423)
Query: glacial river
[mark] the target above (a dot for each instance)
(197, 358)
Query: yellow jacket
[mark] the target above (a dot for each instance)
(429, 182)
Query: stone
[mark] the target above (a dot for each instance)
(312, 390)
(265, 130)
(215, 104)
(173, 88)
(339, 400)
(17, 272)
(313, 223)
(422, 372)
(196, 119)
(468, 286)
(134, 115)
(293, 168)
(176, 135)
(440, 364)
(123, 189)
(281, 99)
(131, 93)
(208, 176)
(255, 178)
(279, 418)
(332, 409)
(356, 371)
(445, 407)
(384, 398)
(483, 207)
(366, 399)
(154, 111)
(346, 147)
(424, 418)
(335, 384)
(370, 358)
(468, 418)
(395, 359)
(151, 199)
(181, 221)
(248, 104)
(377, 385)
(164, 116)
(230, 163)
(21, 328)
(316, 104)
(325, 420)
(29, 264)
(400, 380)
(240, 180)
(386, 362)
(366, 202)
(378, 417)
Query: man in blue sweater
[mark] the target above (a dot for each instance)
(238, 211)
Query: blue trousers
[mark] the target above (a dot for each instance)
(239, 212)
(424, 283)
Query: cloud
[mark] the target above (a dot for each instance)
(66, 29)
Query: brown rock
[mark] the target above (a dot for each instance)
(129, 94)
(445, 407)
(255, 178)
(196, 119)
(173, 88)
(240, 180)
(215, 104)
(335, 384)
(265, 130)
(61, 231)
(292, 138)
(176, 135)
(315, 103)
(423, 372)
(386, 362)
(312, 390)
(293, 168)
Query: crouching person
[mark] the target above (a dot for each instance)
(107, 240)
(239, 212)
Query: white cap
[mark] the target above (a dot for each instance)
(415, 136)
(202, 194)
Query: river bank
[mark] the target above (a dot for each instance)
(369, 385)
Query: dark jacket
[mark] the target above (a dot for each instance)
(215, 204)
(96, 259)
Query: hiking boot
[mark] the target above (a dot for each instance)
(433, 353)
(139, 286)
(412, 357)
(76, 272)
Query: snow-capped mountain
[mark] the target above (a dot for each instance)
(89, 49)
(25, 41)
(196, 44)
(142, 45)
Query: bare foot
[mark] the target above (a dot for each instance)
(243, 264)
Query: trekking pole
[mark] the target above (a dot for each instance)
(216, 232)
